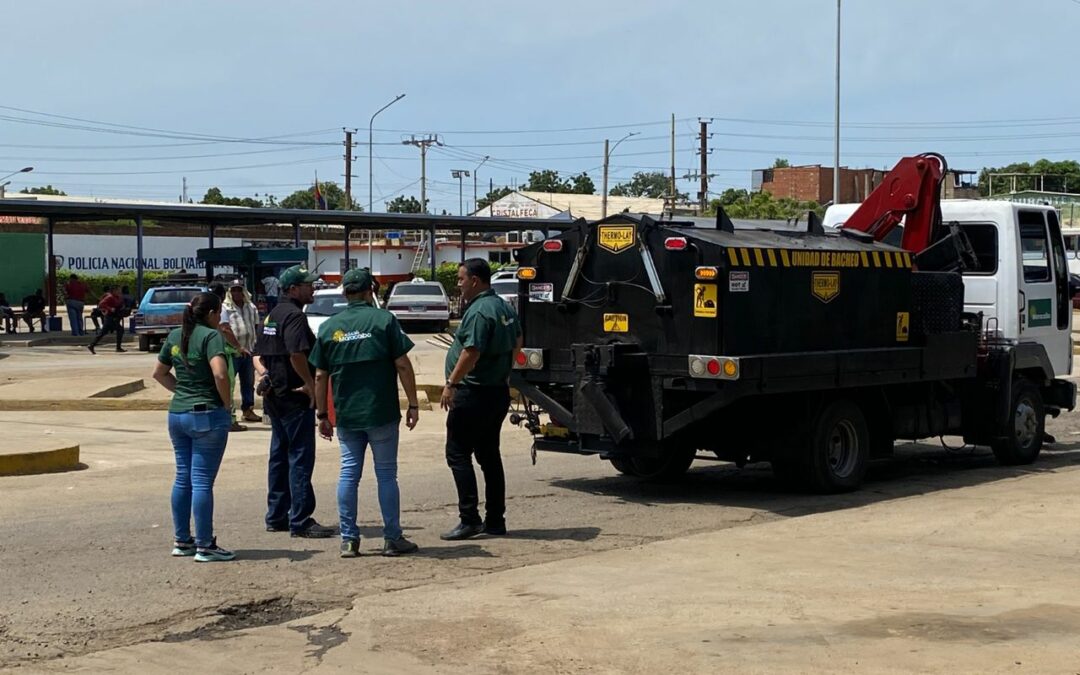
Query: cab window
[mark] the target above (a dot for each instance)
(1034, 247)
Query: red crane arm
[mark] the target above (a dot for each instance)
(910, 192)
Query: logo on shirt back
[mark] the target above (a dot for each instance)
(269, 327)
(352, 336)
(507, 320)
(175, 351)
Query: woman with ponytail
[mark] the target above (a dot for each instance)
(199, 423)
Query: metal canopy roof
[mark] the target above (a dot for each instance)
(239, 216)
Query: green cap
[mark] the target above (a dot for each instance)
(358, 279)
(296, 275)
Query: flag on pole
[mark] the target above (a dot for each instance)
(320, 200)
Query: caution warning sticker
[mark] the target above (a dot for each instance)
(705, 301)
(903, 326)
(616, 323)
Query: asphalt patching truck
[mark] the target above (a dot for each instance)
(653, 342)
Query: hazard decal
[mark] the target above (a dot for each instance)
(825, 285)
(903, 326)
(615, 238)
(616, 323)
(705, 301)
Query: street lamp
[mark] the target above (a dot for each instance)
(370, 174)
(459, 174)
(607, 157)
(476, 171)
(25, 169)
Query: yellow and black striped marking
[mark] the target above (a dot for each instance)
(770, 257)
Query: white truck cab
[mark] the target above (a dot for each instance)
(1022, 284)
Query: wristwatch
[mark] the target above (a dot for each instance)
(451, 385)
(322, 416)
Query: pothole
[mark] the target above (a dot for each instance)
(242, 616)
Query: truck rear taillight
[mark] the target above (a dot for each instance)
(676, 244)
(529, 359)
(714, 367)
(553, 245)
(526, 273)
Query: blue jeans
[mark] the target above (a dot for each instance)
(290, 498)
(198, 440)
(75, 316)
(384, 451)
(245, 369)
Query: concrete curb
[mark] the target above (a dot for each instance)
(121, 389)
(115, 404)
(44, 461)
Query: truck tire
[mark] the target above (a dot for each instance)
(673, 464)
(623, 465)
(833, 457)
(1026, 426)
(144, 343)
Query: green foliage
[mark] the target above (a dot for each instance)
(493, 196)
(1063, 176)
(781, 163)
(761, 206)
(99, 285)
(446, 274)
(403, 204)
(550, 181)
(214, 196)
(652, 184)
(47, 190)
(305, 199)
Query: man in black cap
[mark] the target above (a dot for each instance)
(289, 401)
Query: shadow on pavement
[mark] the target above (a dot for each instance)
(275, 554)
(556, 534)
(915, 469)
(453, 552)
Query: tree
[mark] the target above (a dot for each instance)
(733, 196)
(331, 192)
(403, 204)
(214, 196)
(550, 181)
(47, 190)
(781, 163)
(761, 205)
(492, 197)
(653, 184)
(1045, 174)
(581, 184)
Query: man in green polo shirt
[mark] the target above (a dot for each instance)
(478, 397)
(363, 351)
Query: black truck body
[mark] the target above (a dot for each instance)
(648, 341)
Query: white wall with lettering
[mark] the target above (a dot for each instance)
(91, 254)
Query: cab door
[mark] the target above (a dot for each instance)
(1045, 310)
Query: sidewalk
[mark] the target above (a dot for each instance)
(974, 580)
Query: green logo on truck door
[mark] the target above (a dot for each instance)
(1040, 313)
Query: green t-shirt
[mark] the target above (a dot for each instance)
(194, 380)
(492, 326)
(358, 347)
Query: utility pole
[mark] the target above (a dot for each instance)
(423, 143)
(183, 192)
(459, 174)
(474, 173)
(836, 123)
(671, 190)
(603, 200)
(703, 195)
(348, 168)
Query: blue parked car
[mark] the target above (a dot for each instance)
(161, 310)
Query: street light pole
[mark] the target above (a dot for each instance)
(25, 169)
(370, 173)
(607, 158)
(459, 174)
(475, 172)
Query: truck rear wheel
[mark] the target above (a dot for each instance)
(669, 466)
(1025, 427)
(834, 456)
(623, 465)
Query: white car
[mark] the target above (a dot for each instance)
(507, 289)
(328, 302)
(420, 301)
(504, 273)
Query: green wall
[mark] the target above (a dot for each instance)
(22, 265)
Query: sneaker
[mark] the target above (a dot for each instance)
(183, 549)
(316, 531)
(213, 553)
(494, 529)
(350, 548)
(399, 546)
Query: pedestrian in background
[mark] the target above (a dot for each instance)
(364, 352)
(75, 291)
(198, 424)
(239, 326)
(282, 353)
(8, 314)
(112, 309)
(271, 289)
(34, 308)
(477, 394)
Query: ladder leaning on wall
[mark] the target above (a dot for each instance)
(419, 258)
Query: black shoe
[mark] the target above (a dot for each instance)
(277, 528)
(495, 529)
(91, 348)
(462, 531)
(316, 531)
(120, 350)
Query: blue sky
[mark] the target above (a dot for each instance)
(984, 82)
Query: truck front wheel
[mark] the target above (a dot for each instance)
(1023, 437)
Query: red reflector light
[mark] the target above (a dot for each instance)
(521, 359)
(713, 366)
(553, 245)
(675, 243)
